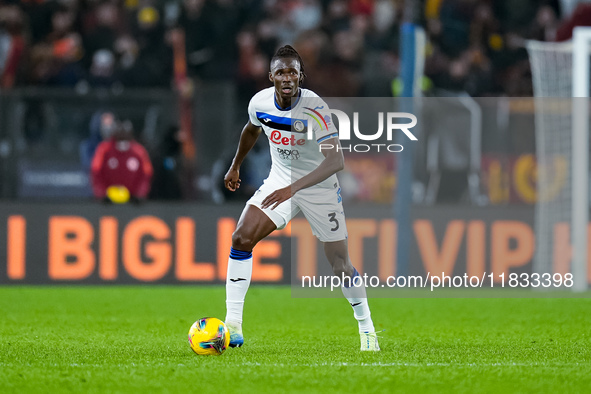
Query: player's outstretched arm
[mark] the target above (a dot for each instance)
(248, 137)
(333, 162)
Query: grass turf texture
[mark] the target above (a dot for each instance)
(122, 339)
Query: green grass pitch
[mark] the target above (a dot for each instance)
(134, 339)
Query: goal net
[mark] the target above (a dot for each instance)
(560, 73)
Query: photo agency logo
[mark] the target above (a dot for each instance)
(388, 124)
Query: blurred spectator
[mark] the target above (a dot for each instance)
(56, 60)
(545, 25)
(337, 16)
(101, 128)
(39, 17)
(153, 64)
(580, 17)
(12, 44)
(197, 19)
(167, 167)
(253, 66)
(121, 161)
(296, 17)
(101, 30)
(211, 27)
(126, 50)
(453, 33)
(102, 69)
(103, 73)
(228, 22)
(350, 46)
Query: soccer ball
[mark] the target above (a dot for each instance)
(209, 336)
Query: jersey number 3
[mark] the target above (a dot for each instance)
(333, 218)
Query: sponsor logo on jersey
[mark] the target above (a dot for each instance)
(288, 154)
(278, 139)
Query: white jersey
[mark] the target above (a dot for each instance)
(293, 155)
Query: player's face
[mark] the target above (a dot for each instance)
(286, 76)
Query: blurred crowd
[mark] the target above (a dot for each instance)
(349, 47)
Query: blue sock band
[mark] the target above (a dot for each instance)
(239, 254)
(355, 274)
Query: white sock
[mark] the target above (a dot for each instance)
(358, 299)
(237, 282)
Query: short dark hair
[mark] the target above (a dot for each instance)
(289, 52)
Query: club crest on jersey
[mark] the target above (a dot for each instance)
(298, 126)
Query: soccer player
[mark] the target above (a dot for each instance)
(301, 178)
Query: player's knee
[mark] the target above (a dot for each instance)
(242, 241)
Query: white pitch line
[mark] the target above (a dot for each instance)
(401, 364)
(332, 364)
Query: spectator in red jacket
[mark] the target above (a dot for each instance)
(121, 162)
(580, 17)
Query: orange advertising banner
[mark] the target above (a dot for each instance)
(190, 243)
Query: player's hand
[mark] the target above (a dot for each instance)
(277, 197)
(232, 180)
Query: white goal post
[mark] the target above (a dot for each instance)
(580, 138)
(561, 79)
